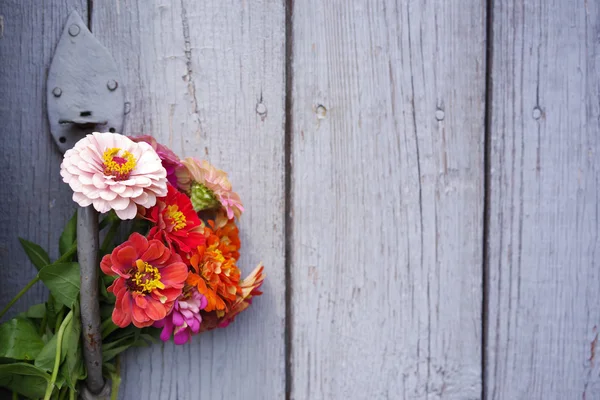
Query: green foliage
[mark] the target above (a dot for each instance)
(25, 379)
(63, 281)
(72, 369)
(69, 235)
(20, 339)
(38, 256)
(37, 311)
(41, 350)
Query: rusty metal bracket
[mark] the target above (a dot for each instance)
(83, 90)
(84, 96)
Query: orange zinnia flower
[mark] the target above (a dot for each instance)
(250, 288)
(215, 273)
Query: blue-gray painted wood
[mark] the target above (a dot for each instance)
(544, 271)
(35, 204)
(207, 79)
(387, 186)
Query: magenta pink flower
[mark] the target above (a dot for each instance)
(169, 159)
(185, 319)
(112, 172)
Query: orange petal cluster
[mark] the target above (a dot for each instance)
(214, 269)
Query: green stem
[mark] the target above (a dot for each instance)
(116, 380)
(15, 396)
(65, 257)
(62, 393)
(19, 295)
(59, 337)
(71, 394)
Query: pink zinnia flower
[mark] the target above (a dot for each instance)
(111, 171)
(206, 183)
(169, 159)
(185, 318)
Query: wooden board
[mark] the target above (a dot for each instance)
(387, 199)
(207, 79)
(544, 313)
(35, 203)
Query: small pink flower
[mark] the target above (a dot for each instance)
(185, 319)
(169, 159)
(195, 172)
(110, 171)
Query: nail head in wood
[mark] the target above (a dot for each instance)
(74, 30)
(56, 92)
(112, 85)
(537, 113)
(261, 109)
(439, 114)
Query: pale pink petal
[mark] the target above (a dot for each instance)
(120, 203)
(129, 213)
(95, 183)
(101, 206)
(99, 181)
(82, 200)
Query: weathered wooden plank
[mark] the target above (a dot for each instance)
(544, 282)
(207, 79)
(35, 202)
(387, 197)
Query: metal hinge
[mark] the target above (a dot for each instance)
(83, 88)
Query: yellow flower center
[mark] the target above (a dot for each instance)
(145, 279)
(177, 218)
(118, 163)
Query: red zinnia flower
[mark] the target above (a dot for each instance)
(150, 278)
(176, 222)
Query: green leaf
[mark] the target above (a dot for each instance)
(52, 310)
(69, 235)
(106, 310)
(45, 359)
(19, 339)
(113, 349)
(72, 368)
(38, 256)
(107, 327)
(37, 311)
(63, 281)
(24, 379)
(111, 353)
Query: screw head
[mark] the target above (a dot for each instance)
(439, 114)
(74, 30)
(112, 85)
(261, 108)
(56, 92)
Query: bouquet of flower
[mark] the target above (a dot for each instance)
(175, 274)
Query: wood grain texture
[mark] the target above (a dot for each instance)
(195, 73)
(387, 199)
(36, 204)
(544, 312)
